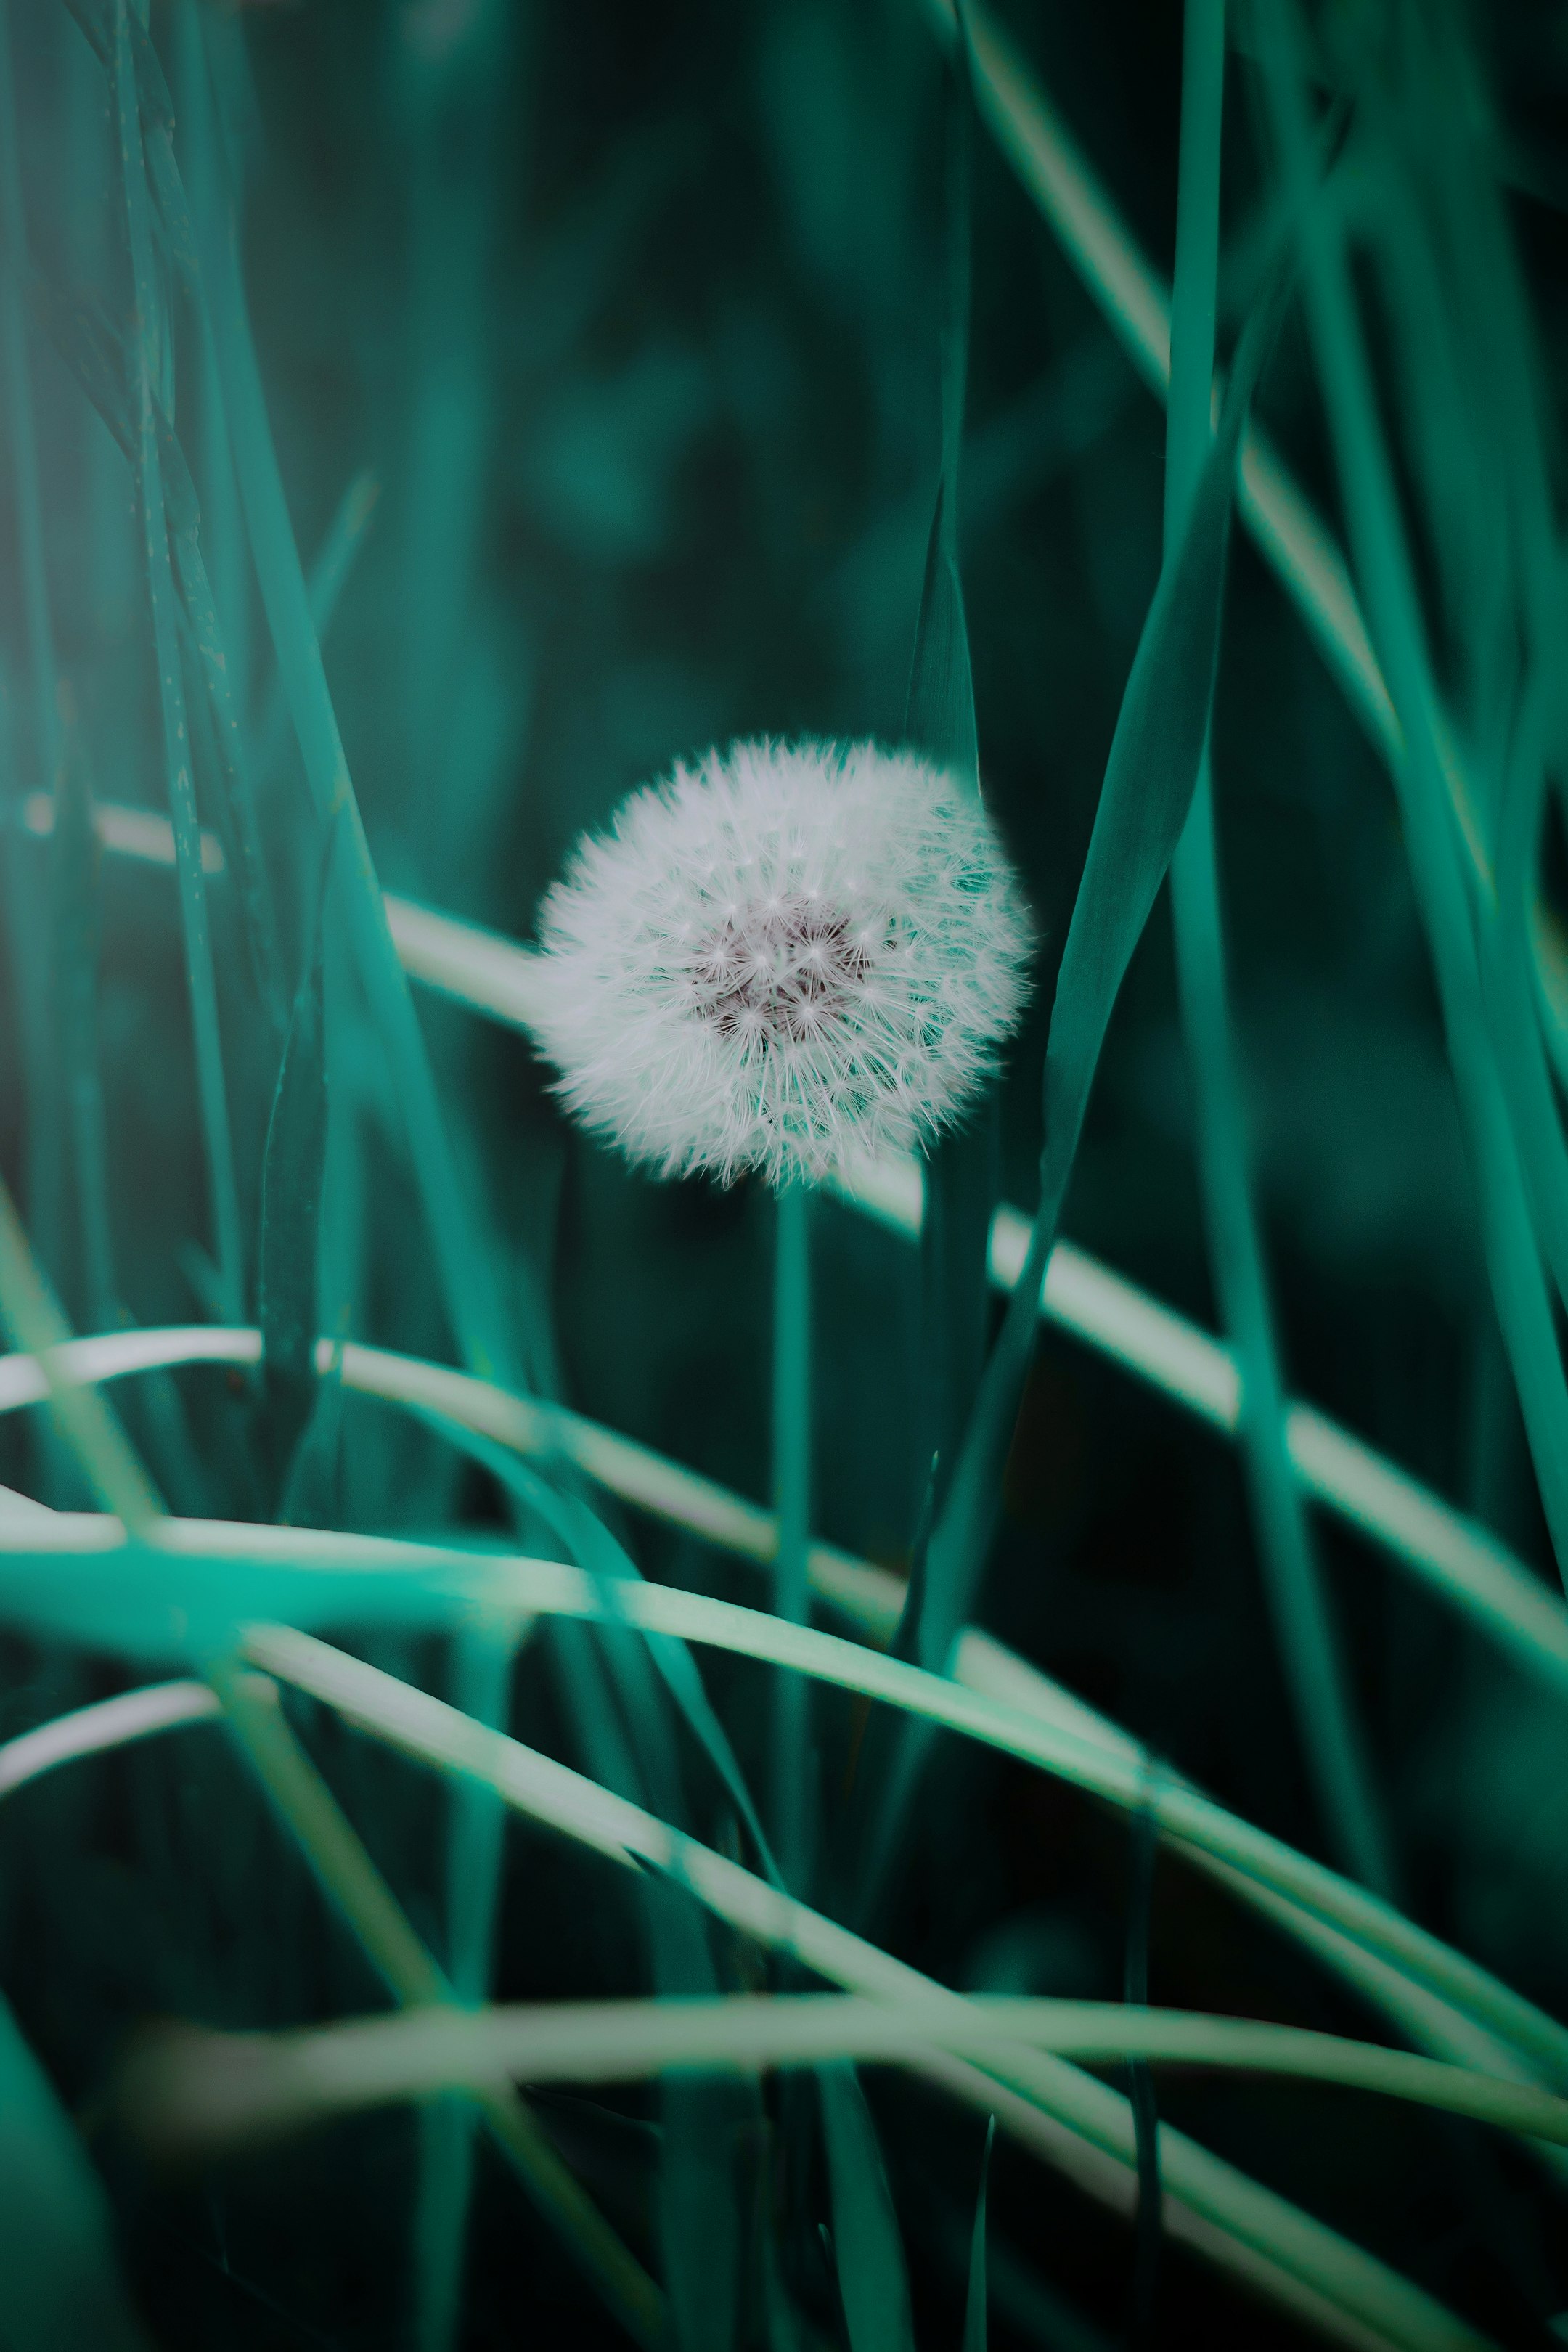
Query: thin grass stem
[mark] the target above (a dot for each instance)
(1324, 1714)
(792, 1502)
(200, 980)
(30, 941)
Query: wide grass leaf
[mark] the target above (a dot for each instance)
(60, 2287)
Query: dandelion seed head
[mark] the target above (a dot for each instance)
(781, 957)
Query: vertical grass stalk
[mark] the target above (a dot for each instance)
(1297, 1600)
(1384, 564)
(44, 1127)
(148, 358)
(792, 1500)
(466, 1289)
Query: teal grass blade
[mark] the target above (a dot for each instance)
(466, 1286)
(1324, 1712)
(59, 2274)
(1150, 778)
(74, 932)
(29, 939)
(1383, 562)
(872, 2279)
(976, 2301)
(293, 1174)
(962, 1171)
(150, 393)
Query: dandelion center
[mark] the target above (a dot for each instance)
(780, 972)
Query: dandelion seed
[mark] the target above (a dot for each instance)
(783, 955)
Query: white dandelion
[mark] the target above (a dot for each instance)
(785, 955)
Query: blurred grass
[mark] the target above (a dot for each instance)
(639, 329)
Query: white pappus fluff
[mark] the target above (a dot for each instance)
(783, 955)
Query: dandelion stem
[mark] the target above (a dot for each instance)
(791, 1499)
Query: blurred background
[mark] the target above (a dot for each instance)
(600, 347)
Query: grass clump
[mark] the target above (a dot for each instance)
(1038, 1876)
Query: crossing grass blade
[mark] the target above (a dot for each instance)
(1150, 778)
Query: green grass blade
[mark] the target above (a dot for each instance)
(961, 1169)
(1149, 781)
(293, 1172)
(117, 1595)
(1230, 2218)
(59, 2274)
(1513, 1263)
(1465, 1564)
(74, 937)
(589, 1545)
(328, 577)
(148, 360)
(294, 2078)
(465, 1284)
(869, 1596)
(29, 931)
(938, 714)
(351, 1882)
(975, 2333)
(1325, 1719)
(872, 2279)
(85, 1423)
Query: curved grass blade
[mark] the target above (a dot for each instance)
(86, 1423)
(590, 1546)
(295, 2077)
(869, 1596)
(1228, 2217)
(1466, 1564)
(122, 1595)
